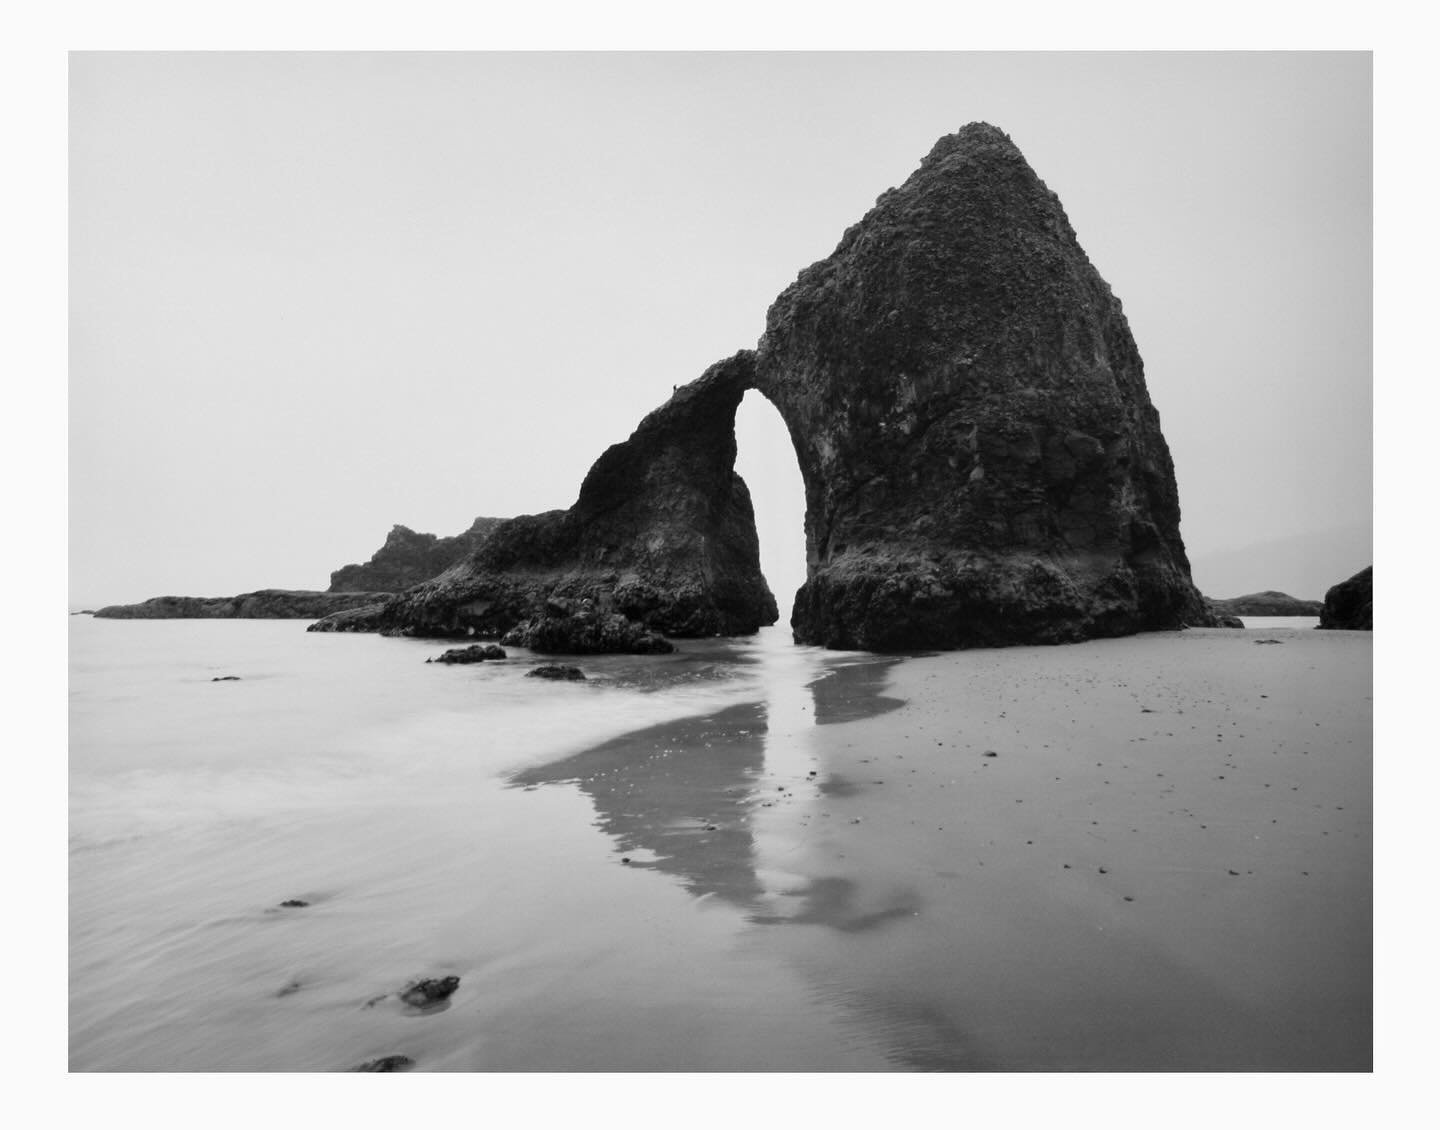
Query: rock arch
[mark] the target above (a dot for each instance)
(982, 463)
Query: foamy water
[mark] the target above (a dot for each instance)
(407, 804)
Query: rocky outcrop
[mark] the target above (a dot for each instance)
(407, 558)
(1268, 603)
(1348, 604)
(265, 604)
(982, 463)
(981, 459)
(661, 541)
(1224, 619)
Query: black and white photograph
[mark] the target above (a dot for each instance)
(730, 561)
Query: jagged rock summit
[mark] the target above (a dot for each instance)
(407, 558)
(982, 463)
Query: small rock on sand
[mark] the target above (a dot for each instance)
(387, 1063)
(555, 671)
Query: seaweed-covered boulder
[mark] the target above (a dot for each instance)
(586, 631)
(556, 671)
(475, 653)
(1348, 604)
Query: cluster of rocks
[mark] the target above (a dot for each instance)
(423, 995)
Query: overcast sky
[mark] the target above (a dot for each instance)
(316, 295)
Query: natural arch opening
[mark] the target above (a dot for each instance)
(766, 461)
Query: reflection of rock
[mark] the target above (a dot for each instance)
(1348, 604)
(685, 793)
(833, 902)
(655, 791)
(853, 690)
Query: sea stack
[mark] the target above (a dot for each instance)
(982, 462)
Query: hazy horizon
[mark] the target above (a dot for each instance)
(317, 295)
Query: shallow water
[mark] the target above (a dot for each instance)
(1263, 622)
(440, 820)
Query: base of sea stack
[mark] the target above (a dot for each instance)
(919, 603)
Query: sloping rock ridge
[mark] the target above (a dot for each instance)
(661, 541)
(982, 462)
(264, 604)
(1349, 604)
(1267, 603)
(407, 558)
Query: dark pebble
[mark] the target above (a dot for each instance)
(226, 679)
(430, 991)
(989, 753)
(387, 1063)
(294, 902)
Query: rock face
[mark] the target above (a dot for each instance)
(1267, 603)
(407, 558)
(981, 459)
(265, 604)
(1348, 604)
(662, 537)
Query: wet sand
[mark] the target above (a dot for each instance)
(1151, 853)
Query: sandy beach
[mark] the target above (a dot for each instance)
(1165, 864)
(1150, 853)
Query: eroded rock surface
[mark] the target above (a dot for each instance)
(662, 537)
(981, 459)
(1348, 604)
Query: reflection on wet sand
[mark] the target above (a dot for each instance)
(724, 801)
(677, 797)
(685, 797)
